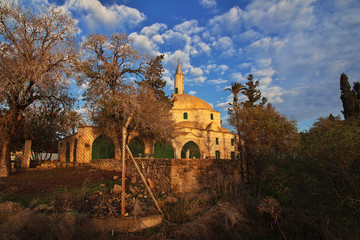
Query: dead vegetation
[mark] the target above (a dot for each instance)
(223, 211)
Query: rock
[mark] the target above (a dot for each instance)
(102, 185)
(132, 190)
(116, 177)
(133, 180)
(170, 199)
(52, 165)
(117, 189)
(110, 201)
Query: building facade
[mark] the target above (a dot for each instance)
(198, 134)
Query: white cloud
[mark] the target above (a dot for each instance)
(208, 3)
(273, 94)
(200, 79)
(192, 92)
(224, 105)
(229, 22)
(279, 15)
(217, 81)
(196, 72)
(158, 39)
(223, 68)
(154, 29)
(188, 27)
(269, 43)
(143, 43)
(265, 76)
(225, 45)
(238, 77)
(113, 17)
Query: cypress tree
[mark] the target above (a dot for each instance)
(350, 98)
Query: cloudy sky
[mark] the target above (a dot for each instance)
(297, 49)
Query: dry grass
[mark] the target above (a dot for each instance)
(224, 221)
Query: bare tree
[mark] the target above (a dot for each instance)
(35, 51)
(109, 69)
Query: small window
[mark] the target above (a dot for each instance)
(185, 115)
(217, 141)
(176, 91)
(232, 142)
(211, 116)
(217, 154)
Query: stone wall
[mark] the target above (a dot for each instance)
(175, 175)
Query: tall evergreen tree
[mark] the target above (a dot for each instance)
(350, 97)
(252, 93)
(153, 78)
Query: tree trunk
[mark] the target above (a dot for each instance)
(5, 161)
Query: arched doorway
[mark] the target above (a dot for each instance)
(193, 148)
(102, 148)
(163, 150)
(137, 147)
(67, 152)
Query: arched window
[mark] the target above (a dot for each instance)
(103, 148)
(217, 154)
(176, 90)
(185, 115)
(211, 116)
(137, 147)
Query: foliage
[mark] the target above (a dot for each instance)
(252, 93)
(36, 49)
(320, 185)
(153, 78)
(50, 121)
(350, 97)
(73, 121)
(236, 89)
(265, 135)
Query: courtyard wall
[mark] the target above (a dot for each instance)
(175, 175)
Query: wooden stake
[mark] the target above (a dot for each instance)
(123, 153)
(143, 179)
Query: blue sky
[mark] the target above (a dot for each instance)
(297, 49)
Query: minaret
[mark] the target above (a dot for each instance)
(179, 80)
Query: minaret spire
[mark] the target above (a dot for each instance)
(178, 69)
(179, 80)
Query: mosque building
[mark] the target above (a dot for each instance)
(198, 135)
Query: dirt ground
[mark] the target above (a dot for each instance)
(41, 182)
